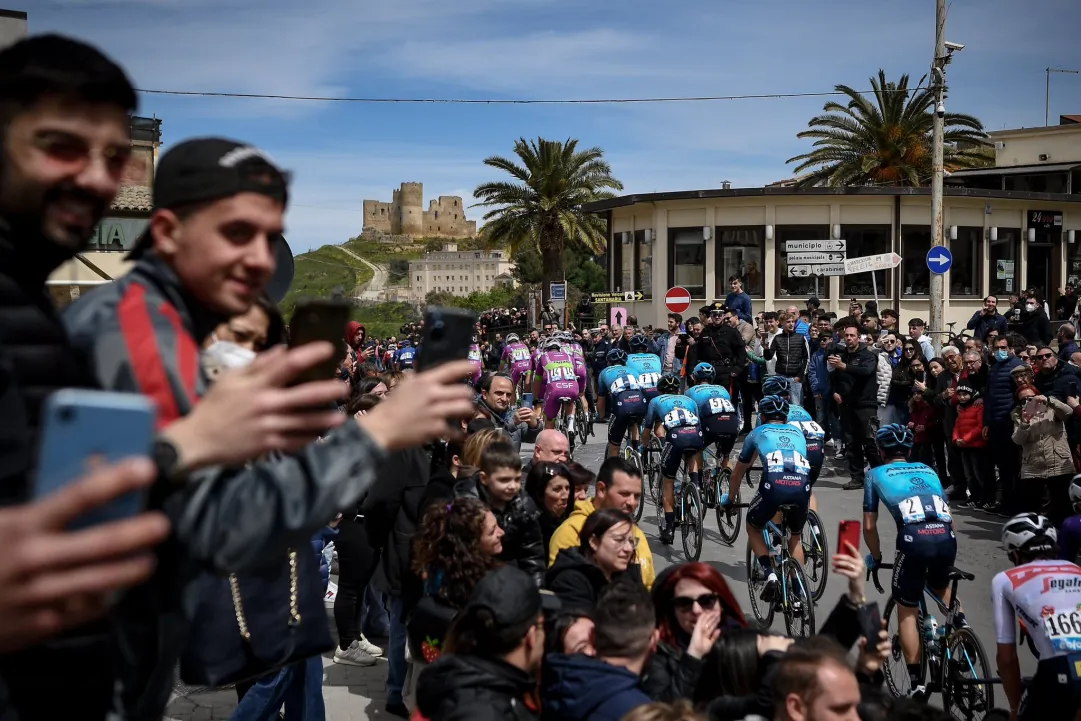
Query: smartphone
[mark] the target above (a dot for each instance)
(448, 333)
(82, 429)
(1073, 388)
(870, 621)
(320, 319)
(848, 531)
(527, 400)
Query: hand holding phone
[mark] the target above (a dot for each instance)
(448, 334)
(848, 532)
(320, 319)
(527, 400)
(870, 622)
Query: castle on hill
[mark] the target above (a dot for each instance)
(405, 215)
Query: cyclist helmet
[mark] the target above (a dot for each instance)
(405, 343)
(773, 407)
(704, 373)
(894, 440)
(616, 357)
(1075, 490)
(639, 342)
(551, 344)
(668, 384)
(1028, 532)
(512, 338)
(776, 386)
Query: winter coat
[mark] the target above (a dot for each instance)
(392, 513)
(884, 377)
(1035, 326)
(722, 347)
(791, 352)
(1045, 450)
(568, 535)
(998, 399)
(969, 426)
(523, 543)
(463, 687)
(740, 304)
(1067, 350)
(922, 414)
(583, 688)
(982, 324)
(578, 581)
(858, 383)
(900, 388)
(1057, 383)
(945, 381)
(819, 374)
(672, 674)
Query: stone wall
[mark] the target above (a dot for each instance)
(405, 215)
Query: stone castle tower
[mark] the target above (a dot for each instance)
(405, 215)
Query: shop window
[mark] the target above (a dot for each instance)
(799, 286)
(1004, 256)
(687, 260)
(861, 241)
(644, 248)
(965, 271)
(915, 244)
(740, 252)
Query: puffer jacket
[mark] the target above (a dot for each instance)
(791, 352)
(969, 425)
(523, 542)
(1045, 450)
(884, 374)
(998, 400)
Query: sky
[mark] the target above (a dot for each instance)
(341, 152)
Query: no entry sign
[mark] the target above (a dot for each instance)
(677, 300)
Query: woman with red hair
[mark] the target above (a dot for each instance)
(694, 606)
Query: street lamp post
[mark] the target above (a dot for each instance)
(1047, 92)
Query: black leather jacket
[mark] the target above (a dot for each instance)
(523, 542)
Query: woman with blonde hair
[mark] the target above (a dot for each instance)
(477, 444)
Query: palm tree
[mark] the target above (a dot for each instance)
(886, 140)
(543, 204)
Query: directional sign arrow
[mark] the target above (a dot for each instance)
(799, 271)
(939, 259)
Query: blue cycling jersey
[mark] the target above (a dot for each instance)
(711, 399)
(613, 380)
(648, 369)
(911, 491)
(812, 433)
(673, 411)
(404, 357)
(783, 451)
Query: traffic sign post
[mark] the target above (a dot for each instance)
(617, 315)
(628, 296)
(815, 258)
(806, 271)
(677, 299)
(871, 263)
(939, 259)
(817, 246)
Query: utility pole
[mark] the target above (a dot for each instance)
(938, 74)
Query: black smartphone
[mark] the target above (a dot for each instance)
(448, 333)
(870, 622)
(1073, 388)
(320, 319)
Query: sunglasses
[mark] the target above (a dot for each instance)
(706, 601)
(1045, 356)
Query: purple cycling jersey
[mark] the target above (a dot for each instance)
(517, 357)
(477, 360)
(557, 380)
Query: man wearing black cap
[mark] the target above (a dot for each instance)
(721, 346)
(492, 652)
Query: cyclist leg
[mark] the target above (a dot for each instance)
(617, 430)
(906, 587)
(759, 513)
(795, 522)
(551, 406)
(815, 472)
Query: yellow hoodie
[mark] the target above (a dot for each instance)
(568, 535)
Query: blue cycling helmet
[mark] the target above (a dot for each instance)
(639, 342)
(668, 384)
(894, 440)
(704, 373)
(773, 407)
(776, 386)
(405, 343)
(616, 357)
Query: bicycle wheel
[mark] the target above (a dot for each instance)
(756, 581)
(816, 558)
(895, 669)
(655, 482)
(966, 660)
(797, 603)
(728, 522)
(633, 459)
(692, 520)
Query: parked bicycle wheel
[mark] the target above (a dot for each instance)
(965, 661)
(692, 521)
(756, 581)
(797, 604)
(728, 522)
(895, 669)
(816, 557)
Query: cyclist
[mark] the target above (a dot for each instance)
(926, 544)
(555, 379)
(1069, 536)
(785, 481)
(405, 356)
(516, 358)
(646, 365)
(476, 358)
(678, 415)
(1044, 593)
(720, 419)
(572, 348)
(623, 398)
(801, 419)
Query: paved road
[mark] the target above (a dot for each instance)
(375, 289)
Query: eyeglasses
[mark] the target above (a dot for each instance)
(890, 341)
(706, 601)
(1044, 356)
(74, 150)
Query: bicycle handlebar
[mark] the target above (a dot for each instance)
(873, 575)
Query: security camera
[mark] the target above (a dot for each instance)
(953, 47)
(940, 110)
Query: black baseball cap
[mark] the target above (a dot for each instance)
(511, 598)
(813, 300)
(201, 170)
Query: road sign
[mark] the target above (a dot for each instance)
(677, 300)
(558, 291)
(939, 259)
(813, 258)
(806, 271)
(882, 261)
(617, 297)
(815, 245)
(617, 315)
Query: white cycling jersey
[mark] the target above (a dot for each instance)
(1046, 595)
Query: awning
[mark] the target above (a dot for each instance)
(1014, 170)
(78, 272)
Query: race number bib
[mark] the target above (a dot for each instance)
(520, 354)
(559, 373)
(810, 429)
(623, 383)
(720, 405)
(679, 417)
(1064, 629)
(649, 380)
(792, 461)
(913, 510)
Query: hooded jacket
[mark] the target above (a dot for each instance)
(1035, 325)
(463, 687)
(578, 581)
(969, 424)
(583, 688)
(523, 542)
(569, 533)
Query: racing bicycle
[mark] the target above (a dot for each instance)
(566, 423)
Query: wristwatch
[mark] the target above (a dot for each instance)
(167, 459)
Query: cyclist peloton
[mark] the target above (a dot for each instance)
(1044, 592)
(801, 419)
(516, 359)
(926, 544)
(405, 356)
(623, 400)
(554, 379)
(785, 481)
(645, 365)
(719, 417)
(678, 415)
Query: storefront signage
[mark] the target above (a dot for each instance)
(1004, 271)
(117, 233)
(1044, 219)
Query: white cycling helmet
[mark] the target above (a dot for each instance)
(1021, 531)
(512, 338)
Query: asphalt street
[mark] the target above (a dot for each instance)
(978, 539)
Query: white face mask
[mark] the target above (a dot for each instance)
(224, 356)
(1030, 307)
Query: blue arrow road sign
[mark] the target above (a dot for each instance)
(939, 259)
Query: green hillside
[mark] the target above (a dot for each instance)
(319, 272)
